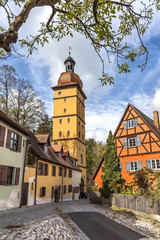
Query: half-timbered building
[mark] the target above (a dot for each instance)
(137, 140)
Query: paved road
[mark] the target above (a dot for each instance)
(97, 227)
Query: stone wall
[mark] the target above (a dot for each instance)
(139, 204)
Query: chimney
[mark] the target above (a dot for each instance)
(156, 118)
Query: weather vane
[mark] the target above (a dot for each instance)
(70, 51)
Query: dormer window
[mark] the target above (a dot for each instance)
(46, 149)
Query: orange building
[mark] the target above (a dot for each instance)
(137, 140)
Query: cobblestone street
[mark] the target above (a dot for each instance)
(50, 221)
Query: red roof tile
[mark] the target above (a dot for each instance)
(42, 138)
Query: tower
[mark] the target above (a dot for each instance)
(69, 116)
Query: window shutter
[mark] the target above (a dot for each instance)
(127, 166)
(125, 124)
(135, 122)
(4, 175)
(139, 165)
(121, 166)
(138, 141)
(17, 176)
(148, 164)
(8, 139)
(19, 143)
(43, 168)
(0, 173)
(125, 143)
(2, 135)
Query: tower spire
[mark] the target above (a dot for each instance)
(69, 62)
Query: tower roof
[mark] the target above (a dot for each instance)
(69, 78)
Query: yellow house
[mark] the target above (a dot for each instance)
(49, 173)
(69, 116)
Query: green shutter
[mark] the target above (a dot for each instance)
(125, 124)
(148, 164)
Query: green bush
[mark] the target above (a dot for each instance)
(105, 190)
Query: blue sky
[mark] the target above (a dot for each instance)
(105, 105)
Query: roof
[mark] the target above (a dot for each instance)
(9, 120)
(148, 121)
(98, 167)
(65, 153)
(57, 148)
(39, 152)
(42, 138)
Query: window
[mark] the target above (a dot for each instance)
(14, 141)
(60, 171)
(79, 135)
(65, 172)
(60, 133)
(64, 189)
(155, 164)
(82, 137)
(131, 123)
(64, 99)
(53, 171)
(133, 166)
(42, 191)
(68, 120)
(68, 133)
(81, 159)
(132, 142)
(60, 121)
(69, 188)
(45, 169)
(64, 110)
(9, 175)
(39, 168)
(59, 93)
(70, 173)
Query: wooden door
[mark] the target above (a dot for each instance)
(24, 197)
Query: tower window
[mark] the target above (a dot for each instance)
(60, 121)
(59, 93)
(64, 110)
(68, 133)
(64, 99)
(68, 120)
(82, 137)
(60, 133)
(81, 159)
(79, 134)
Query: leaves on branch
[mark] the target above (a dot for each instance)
(105, 23)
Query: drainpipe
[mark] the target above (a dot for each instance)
(62, 184)
(24, 163)
(35, 190)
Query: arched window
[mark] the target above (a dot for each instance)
(81, 159)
